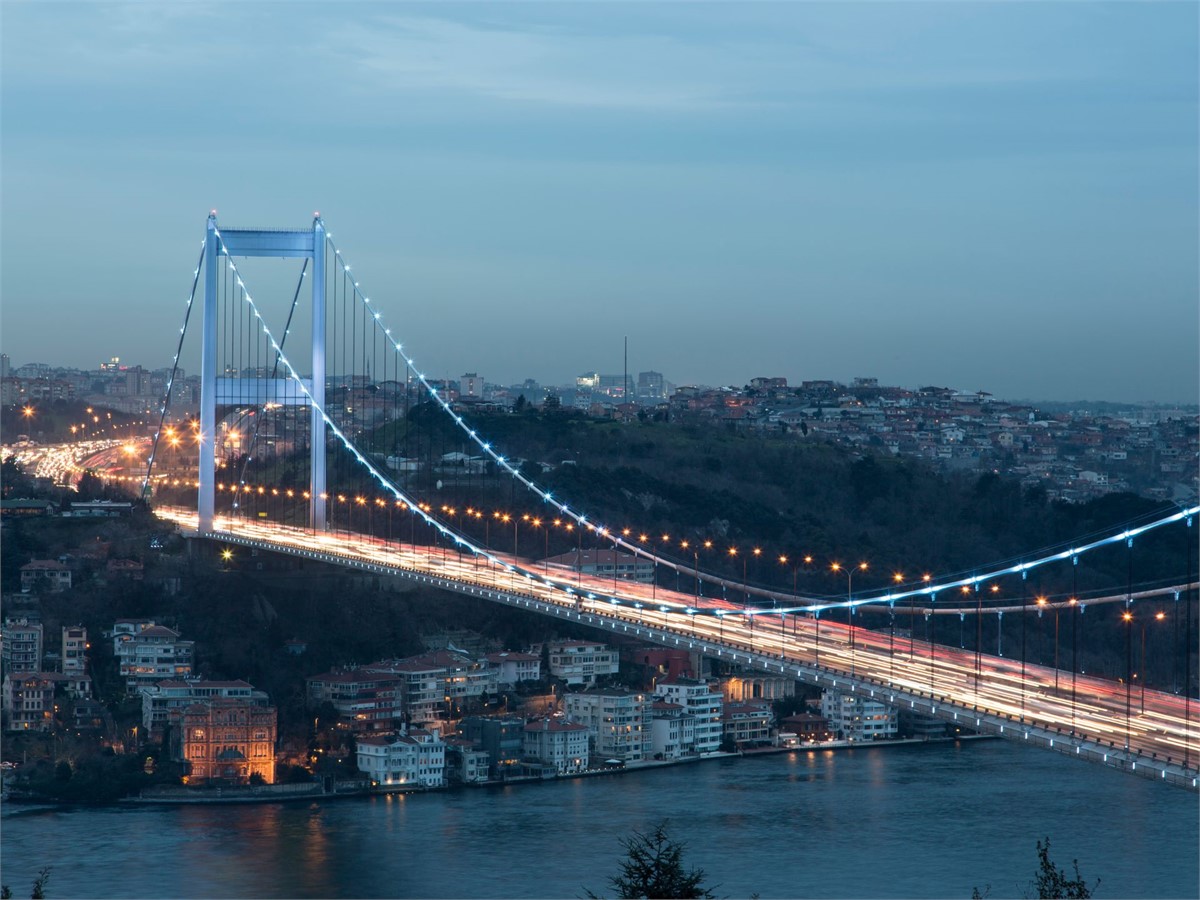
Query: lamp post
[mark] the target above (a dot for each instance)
(783, 559)
(1074, 605)
(1127, 618)
(861, 567)
(897, 578)
(757, 553)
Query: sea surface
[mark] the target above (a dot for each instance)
(932, 820)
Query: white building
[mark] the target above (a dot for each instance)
(512, 668)
(150, 654)
(855, 718)
(672, 733)
(702, 702)
(581, 662)
(416, 758)
(554, 742)
(618, 722)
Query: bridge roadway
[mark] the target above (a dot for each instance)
(1084, 716)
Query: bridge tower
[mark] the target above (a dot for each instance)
(293, 244)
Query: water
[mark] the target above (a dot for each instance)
(923, 821)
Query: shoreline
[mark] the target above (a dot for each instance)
(315, 793)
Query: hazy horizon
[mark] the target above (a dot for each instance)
(986, 196)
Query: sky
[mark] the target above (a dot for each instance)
(998, 197)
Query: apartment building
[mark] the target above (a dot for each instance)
(702, 702)
(856, 718)
(618, 721)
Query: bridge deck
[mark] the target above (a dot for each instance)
(1084, 716)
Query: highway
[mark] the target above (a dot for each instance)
(1084, 707)
(64, 463)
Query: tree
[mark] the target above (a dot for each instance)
(654, 868)
(1052, 882)
(39, 887)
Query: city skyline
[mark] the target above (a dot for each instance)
(1007, 192)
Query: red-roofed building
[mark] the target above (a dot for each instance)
(747, 724)
(45, 574)
(124, 568)
(367, 700)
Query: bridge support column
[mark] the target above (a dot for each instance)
(316, 508)
(206, 471)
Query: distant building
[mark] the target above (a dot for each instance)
(557, 743)
(414, 758)
(513, 668)
(21, 650)
(768, 383)
(502, 739)
(672, 732)
(700, 701)
(464, 763)
(225, 739)
(160, 700)
(102, 509)
(606, 564)
(618, 722)
(28, 701)
(806, 728)
(365, 700)
(124, 568)
(151, 654)
(651, 387)
(747, 724)
(432, 682)
(750, 687)
(22, 508)
(74, 648)
(45, 574)
(581, 662)
(855, 718)
(470, 387)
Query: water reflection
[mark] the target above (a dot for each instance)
(937, 821)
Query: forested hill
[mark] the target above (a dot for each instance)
(796, 497)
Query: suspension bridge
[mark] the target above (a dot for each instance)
(342, 451)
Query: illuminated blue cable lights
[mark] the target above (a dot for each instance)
(929, 590)
(384, 482)
(637, 550)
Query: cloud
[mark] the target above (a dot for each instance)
(532, 64)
